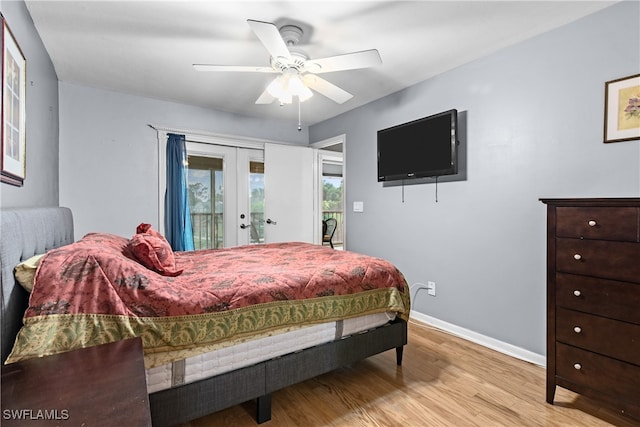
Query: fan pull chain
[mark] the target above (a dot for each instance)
(299, 121)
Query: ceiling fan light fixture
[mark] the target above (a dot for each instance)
(276, 87)
(295, 84)
(279, 89)
(288, 85)
(305, 94)
(285, 98)
(298, 88)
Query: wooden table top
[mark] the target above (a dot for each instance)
(96, 386)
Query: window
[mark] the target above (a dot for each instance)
(256, 201)
(206, 201)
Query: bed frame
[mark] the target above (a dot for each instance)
(30, 231)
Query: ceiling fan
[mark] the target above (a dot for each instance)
(297, 73)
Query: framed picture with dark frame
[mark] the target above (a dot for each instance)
(622, 109)
(14, 64)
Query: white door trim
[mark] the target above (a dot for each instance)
(317, 187)
(330, 141)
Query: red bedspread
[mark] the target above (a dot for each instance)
(92, 276)
(96, 282)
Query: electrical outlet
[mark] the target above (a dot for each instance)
(431, 288)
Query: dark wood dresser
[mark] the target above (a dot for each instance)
(593, 299)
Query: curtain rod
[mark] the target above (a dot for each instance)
(222, 139)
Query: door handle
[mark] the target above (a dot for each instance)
(243, 226)
(270, 221)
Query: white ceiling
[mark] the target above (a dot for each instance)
(148, 47)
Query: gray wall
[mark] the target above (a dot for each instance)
(109, 156)
(534, 123)
(41, 182)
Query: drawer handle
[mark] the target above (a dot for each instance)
(592, 223)
(577, 293)
(577, 366)
(577, 257)
(577, 329)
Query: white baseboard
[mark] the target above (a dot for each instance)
(494, 344)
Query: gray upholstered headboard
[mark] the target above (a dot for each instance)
(24, 233)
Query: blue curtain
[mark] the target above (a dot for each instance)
(177, 219)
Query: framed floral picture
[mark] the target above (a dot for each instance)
(622, 109)
(13, 159)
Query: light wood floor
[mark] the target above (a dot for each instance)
(443, 381)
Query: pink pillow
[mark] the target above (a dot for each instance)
(154, 252)
(146, 228)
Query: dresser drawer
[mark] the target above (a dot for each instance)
(606, 336)
(608, 298)
(601, 223)
(609, 260)
(618, 380)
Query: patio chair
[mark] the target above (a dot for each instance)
(329, 226)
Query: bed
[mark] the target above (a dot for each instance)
(337, 319)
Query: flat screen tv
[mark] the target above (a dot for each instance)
(427, 147)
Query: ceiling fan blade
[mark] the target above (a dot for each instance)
(348, 61)
(265, 98)
(327, 89)
(270, 38)
(234, 68)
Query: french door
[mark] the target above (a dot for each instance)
(289, 202)
(250, 190)
(244, 196)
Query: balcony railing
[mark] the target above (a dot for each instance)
(208, 228)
